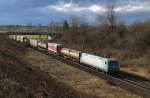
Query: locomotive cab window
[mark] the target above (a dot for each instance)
(113, 63)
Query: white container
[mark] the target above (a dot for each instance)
(33, 42)
(14, 37)
(22, 38)
(42, 45)
(11, 36)
(18, 38)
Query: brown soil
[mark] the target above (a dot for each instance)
(81, 81)
(138, 71)
(18, 79)
(25, 73)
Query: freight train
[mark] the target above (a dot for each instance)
(106, 65)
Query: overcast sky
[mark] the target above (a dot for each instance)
(44, 11)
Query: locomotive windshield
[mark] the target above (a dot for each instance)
(113, 63)
(113, 66)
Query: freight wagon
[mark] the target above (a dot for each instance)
(33, 42)
(22, 38)
(14, 37)
(10, 36)
(69, 53)
(107, 65)
(42, 45)
(18, 38)
(54, 47)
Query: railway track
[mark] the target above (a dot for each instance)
(131, 82)
(138, 80)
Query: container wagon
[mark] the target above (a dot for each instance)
(42, 45)
(54, 47)
(33, 42)
(17, 37)
(22, 38)
(14, 37)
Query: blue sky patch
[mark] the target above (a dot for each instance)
(45, 11)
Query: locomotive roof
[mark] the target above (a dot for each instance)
(110, 59)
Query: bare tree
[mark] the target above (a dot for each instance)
(75, 23)
(111, 18)
(108, 21)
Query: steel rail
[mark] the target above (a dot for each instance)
(130, 85)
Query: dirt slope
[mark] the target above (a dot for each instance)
(19, 80)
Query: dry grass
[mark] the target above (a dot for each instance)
(81, 81)
(20, 80)
(132, 61)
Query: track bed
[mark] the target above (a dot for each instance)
(78, 79)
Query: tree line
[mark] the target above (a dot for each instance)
(108, 36)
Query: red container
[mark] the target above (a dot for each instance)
(54, 47)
